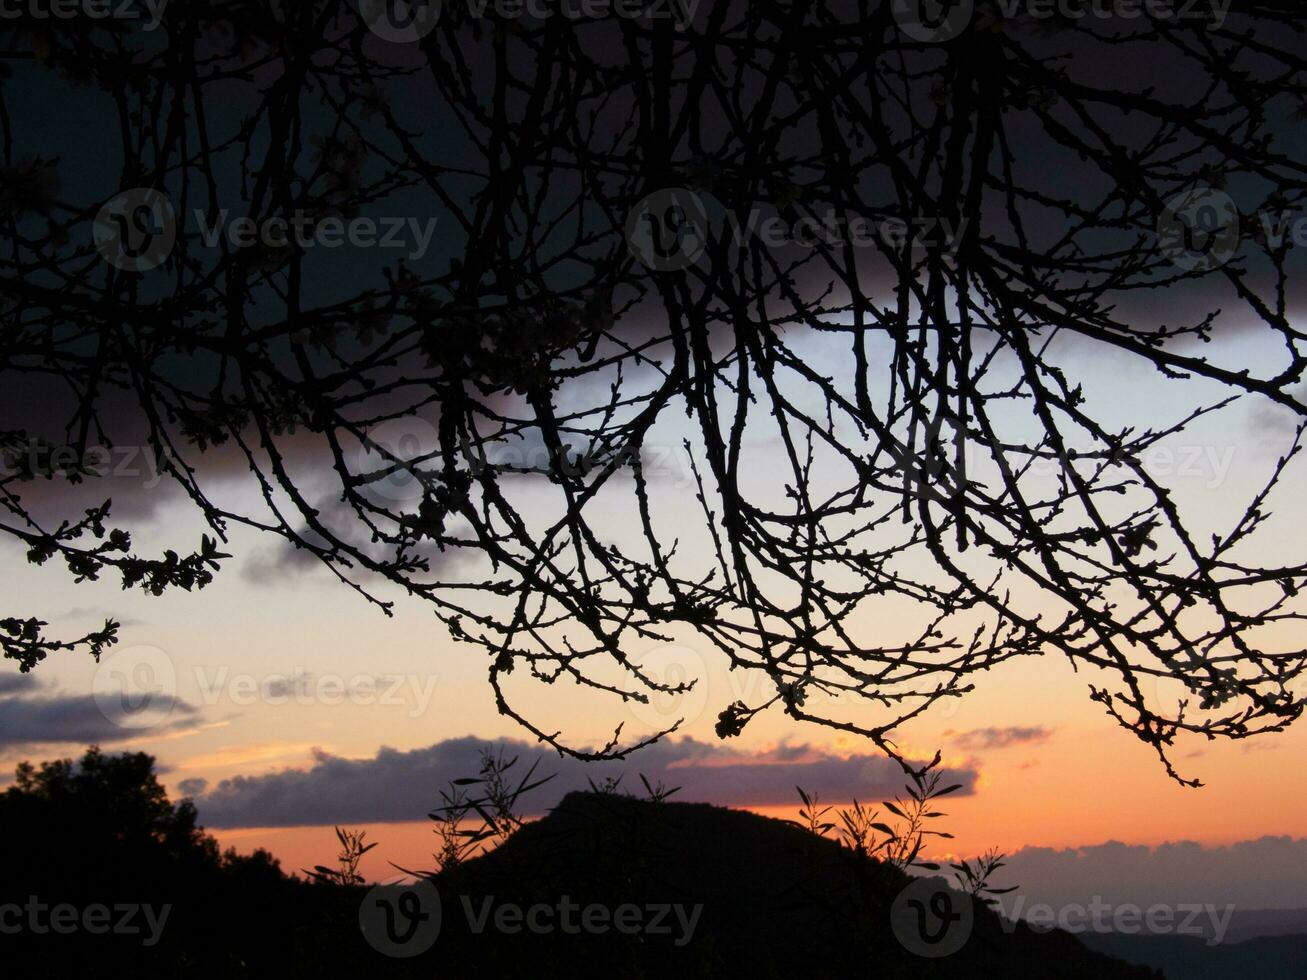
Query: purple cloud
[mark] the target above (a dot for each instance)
(396, 785)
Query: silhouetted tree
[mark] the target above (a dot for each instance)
(101, 832)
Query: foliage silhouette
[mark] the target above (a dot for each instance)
(900, 846)
(102, 830)
(466, 431)
(352, 850)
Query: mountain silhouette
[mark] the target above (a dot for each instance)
(101, 872)
(1190, 958)
(776, 900)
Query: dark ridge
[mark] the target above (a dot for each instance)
(757, 898)
(777, 902)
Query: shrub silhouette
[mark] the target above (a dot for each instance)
(102, 831)
(900, 843)
(351, 853)
(99, 822)
(774, 899)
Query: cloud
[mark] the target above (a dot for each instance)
(404, 785)
(284, 563)
(77, 719)
(278, 564)
(284, 687)
(1276, 420)
(1269, 872)
(11, 684)
(1001, 738)
(98, 616)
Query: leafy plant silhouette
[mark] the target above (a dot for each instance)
(352, 850)
(900, 843)
(496, 801)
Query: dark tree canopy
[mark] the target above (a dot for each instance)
(892, 469)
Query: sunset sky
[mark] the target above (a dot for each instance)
(290, 704)
(260, 732)
(849, 457)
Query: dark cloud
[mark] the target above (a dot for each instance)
(193, 787)
(1269, 872)
(97, 616)
(283, 563)
(1276, 420)
(1001, 738)
(279, 564)
(17, 684)
(77, 719)
(395, 785)
(284, 687)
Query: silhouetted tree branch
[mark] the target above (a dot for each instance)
(863, 427)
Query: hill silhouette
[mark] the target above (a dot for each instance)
(1190, 958)
(681, 889)
(776, 901)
